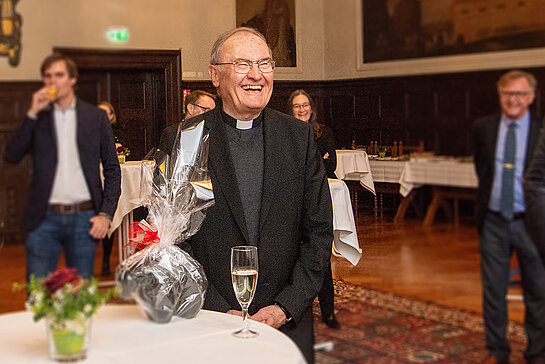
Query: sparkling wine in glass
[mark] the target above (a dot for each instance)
(244, 268)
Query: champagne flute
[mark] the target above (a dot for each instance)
(244, 267)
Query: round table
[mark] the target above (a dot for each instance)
(121, 334)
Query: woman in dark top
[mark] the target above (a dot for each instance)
(303, 108)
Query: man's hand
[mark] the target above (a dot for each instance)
(100, 227)
(271, 315)
(234, 312)
(40, 100)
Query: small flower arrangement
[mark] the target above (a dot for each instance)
(63, 296)
(121, 150)
(68, 303)
(122, 153)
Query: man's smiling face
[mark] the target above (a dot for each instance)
(516, 97)
(244, 96)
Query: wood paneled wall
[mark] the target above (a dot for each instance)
(436, 109)
(14, 179)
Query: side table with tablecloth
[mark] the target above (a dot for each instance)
(128, 201)
(450, 179)
(353, 165)
(386, 173)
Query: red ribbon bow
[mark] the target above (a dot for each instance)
(141, 235)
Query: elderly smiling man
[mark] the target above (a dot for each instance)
(270, 191)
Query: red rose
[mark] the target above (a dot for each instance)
(59, 278)
(120, 149)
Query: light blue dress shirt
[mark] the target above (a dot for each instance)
(522, 130)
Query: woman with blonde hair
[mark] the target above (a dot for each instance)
(110, 111)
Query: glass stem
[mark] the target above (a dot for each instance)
(245, 326)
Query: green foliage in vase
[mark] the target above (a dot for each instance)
(121, 150)
(64, 295)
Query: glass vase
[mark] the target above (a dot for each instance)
(121, 158)
(68, 339)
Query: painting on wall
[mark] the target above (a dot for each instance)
(407, 29)
(275, 19)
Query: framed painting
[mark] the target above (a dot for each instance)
(275, 19)
(406, 29)
(430, 36)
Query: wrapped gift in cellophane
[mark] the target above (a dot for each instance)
(162, 278)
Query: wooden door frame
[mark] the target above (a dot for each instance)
(168, 61)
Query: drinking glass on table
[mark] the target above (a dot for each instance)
(244, 268)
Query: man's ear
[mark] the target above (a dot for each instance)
(214, 75)
(190, 110)
(532, 98)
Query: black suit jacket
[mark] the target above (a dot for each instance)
(485, 135)
(326, 144)
(95, 144)
(168, 137)
(296, 228)
(534, 195)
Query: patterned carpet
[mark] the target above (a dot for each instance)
(387, 329)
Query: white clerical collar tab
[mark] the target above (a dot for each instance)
(244, 124)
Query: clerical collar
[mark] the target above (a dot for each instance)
(243, 125)
(240, 124)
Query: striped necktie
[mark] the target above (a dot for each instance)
(508, 175)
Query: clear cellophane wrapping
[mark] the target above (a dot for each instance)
(176, 189)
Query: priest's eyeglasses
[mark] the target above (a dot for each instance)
(243, 66)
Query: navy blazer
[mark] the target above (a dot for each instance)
(485, 135)
(95, 145)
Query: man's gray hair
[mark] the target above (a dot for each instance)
(215, 54)
(515, 75)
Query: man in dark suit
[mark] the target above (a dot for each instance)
(197, 102)
(68, 208)
(503, 145)
(534, 195)
(270, 191)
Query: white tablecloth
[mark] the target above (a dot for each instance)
(345, 237)
(121, 334)
(438, 173)
(386, 170)
(353, 165)
(130, 193)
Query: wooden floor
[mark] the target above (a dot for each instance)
(438, 263)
